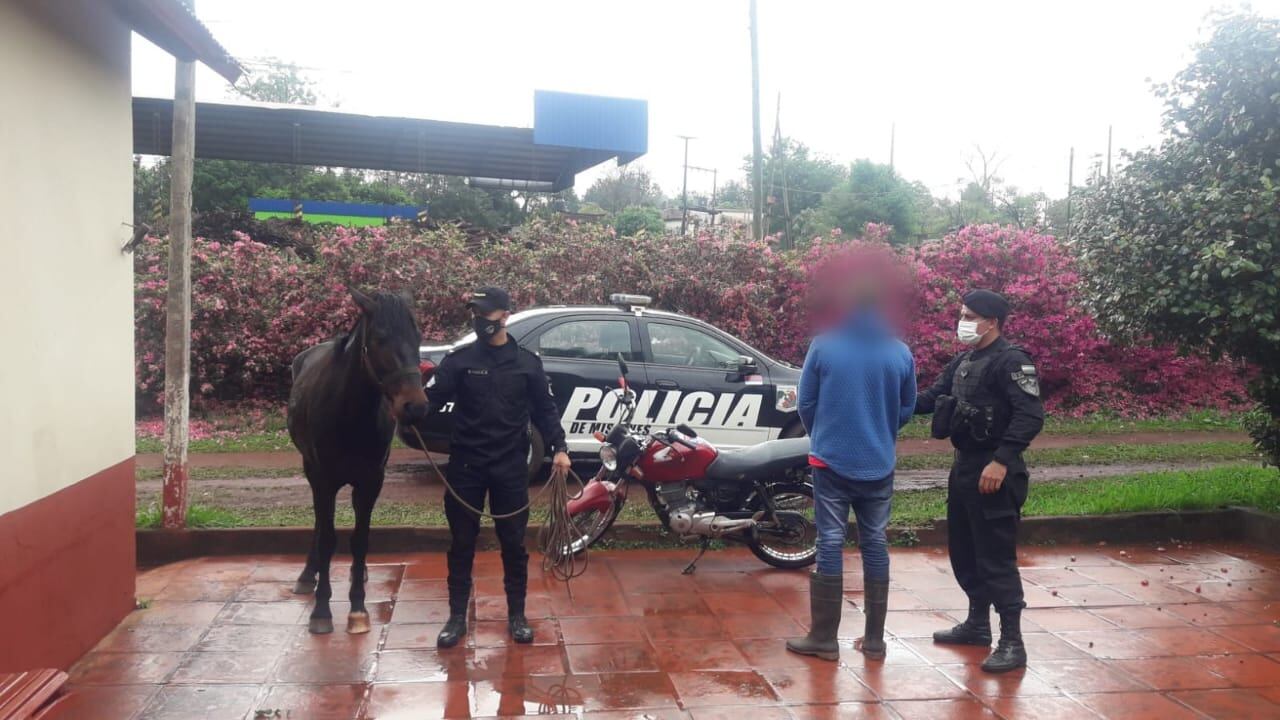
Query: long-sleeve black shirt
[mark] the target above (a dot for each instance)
(1024, 411)
(496, 392)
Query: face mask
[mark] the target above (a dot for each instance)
(967, 332)
(485, 328)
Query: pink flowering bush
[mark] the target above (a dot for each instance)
(255, 307)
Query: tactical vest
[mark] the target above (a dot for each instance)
(981, 413)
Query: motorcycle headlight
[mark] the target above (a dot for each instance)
(609, 457)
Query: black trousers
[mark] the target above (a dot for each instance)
(982, 531)
(507, 487)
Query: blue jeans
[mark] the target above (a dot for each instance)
(833, 496)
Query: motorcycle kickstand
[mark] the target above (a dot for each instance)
(692, 566)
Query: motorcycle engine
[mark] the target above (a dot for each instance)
(688, 517)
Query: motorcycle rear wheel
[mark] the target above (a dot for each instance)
(797, 546)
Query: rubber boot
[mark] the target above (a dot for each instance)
(453, 631)
(826, 597)
(1010, 653)
(876, 599)
(975, 630)
(520, 630)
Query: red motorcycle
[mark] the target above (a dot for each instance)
(760, 496)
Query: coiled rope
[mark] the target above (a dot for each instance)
(557, 535)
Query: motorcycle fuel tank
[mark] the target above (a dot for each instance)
(670, 463)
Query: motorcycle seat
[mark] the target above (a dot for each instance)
(766, 461)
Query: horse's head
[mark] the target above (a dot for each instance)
(388, 339)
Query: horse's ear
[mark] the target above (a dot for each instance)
(366, 303)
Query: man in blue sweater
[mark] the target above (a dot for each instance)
(858, 388)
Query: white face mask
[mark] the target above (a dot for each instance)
(967, 332)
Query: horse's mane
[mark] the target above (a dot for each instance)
(393, 315)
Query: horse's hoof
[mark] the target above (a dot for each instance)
(320, 626)
(358, 623)
(302, 587)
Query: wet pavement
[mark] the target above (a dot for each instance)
(1134, 632)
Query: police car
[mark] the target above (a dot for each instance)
(683, 370)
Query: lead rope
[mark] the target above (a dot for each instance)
(558, 534)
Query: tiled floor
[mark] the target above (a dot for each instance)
(1133, 632)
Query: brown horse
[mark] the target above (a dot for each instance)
(347, 395)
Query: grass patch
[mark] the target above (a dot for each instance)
(1245, 485)
(1197, 421)
(222, 473)
(1104, 454)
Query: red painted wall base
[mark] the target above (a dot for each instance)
(66, 570)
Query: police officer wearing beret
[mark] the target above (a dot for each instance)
(497, 389)
(987, 400)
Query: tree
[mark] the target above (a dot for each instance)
(1184, 242)
(794, 179)
(635, 219)
(623, 188)
(875, 194)
(284, 84)
(733, 194)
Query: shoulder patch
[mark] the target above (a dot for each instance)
(1028, 382)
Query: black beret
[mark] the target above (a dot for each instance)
(987, 304)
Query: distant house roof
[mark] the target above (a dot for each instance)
(571, 133)
(172, 25)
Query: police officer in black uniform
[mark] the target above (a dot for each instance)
(987, 401)
(497, 388)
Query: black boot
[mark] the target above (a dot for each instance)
(826, 595)
(876, 600)
(975, 630)
(520, 630)
(1010, 653)
(452, 632)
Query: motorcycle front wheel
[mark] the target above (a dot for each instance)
(792, 542)
(593, 524)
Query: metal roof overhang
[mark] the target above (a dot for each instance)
(306, 136)
(172, 25)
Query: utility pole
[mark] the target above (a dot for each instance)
(1071, 169)
(893, 130)
(757, 162)
(715, 175)
(177, 331)
(684, 192)
(1108, 152)
(780, 154)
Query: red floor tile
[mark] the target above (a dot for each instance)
(758, 626)
(947, 654)
(722, 687)
(515, 661)
(676, 627)
(741, 603)
(120, 702)
(1125, 706)
(415, 701)
(1244, 704)
(962, 709)
(1211, 614)
(735, 712)
(151, 638)
(1079, 676)
(1139, 617)
(422, 665)
(918, 624)
(314, 702)
(1114, 644)
(184, 702)
(667, 604)
(211, 668)
(1174, 673)
(489, 633)
(830, 684)
(309, 666)
(163, 612)
(99, 668)
(772, 653)
(1263, 638)
(843, 711)
(909, 683)
(405, 637)
(1191, 641)
(1066, 619)
(1244, 670)
(419, 612)
(682, 656)
(1091, 596)
(622, 691)
(1010, 684)
(288, 612)
(613, 657)
(423, 590)
(588, 630)
(1039, 708)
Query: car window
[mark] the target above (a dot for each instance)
(587, 340)
(681, 345)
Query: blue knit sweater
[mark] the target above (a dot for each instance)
(857, 390)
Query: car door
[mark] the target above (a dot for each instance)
(580, 356)
(692, 378)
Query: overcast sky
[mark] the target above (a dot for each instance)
(1025, 79)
